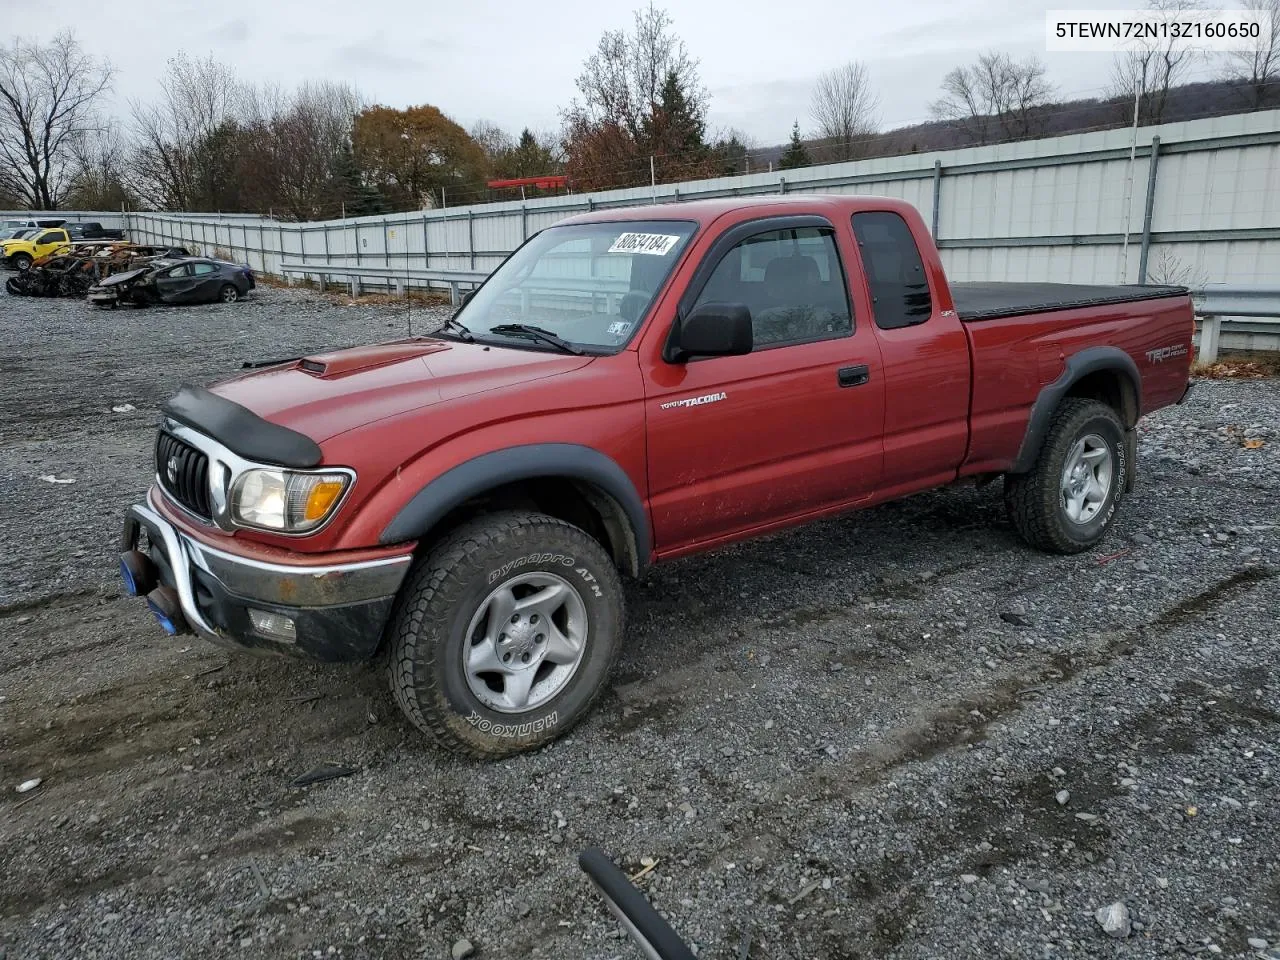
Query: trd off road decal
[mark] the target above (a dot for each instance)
(695, 401)
(1161, 354)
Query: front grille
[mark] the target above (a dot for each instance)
(184, 473)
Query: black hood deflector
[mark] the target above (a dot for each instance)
(241, 430)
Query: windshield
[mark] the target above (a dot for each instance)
(590, 284)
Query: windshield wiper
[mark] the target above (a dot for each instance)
(460, 330)
(537, 333)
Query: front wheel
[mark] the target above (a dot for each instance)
(1067, 500)
(505, 633)
(21, 262)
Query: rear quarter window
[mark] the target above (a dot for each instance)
(894, 270)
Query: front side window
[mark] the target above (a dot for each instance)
(49, 237)
(895, 273)
(791, 281)
(590, 284)
(180, 271)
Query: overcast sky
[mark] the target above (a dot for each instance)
(514, 63)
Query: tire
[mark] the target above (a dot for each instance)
(228, 293)
(13, 288)
(21, 262)
(1065, 503)
(443, 622)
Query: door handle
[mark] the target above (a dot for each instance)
(854, 376)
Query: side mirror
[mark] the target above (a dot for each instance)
(710, 330)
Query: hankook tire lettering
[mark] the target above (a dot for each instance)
(484, 725)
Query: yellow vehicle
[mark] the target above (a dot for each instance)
(19, 253)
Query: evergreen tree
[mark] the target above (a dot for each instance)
(357, 197)
(795, 155)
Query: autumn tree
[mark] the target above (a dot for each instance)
(795, 155)
(639, 96)
(49, 99)
(997, 98)
(418, 156)
(1257, 72)
(1146, 73)
(844, 110)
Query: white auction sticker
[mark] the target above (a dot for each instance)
(658, 244)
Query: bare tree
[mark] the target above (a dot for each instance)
(97, 179)
(1147, 72)
(200, 98)
(1257, 72)
(48, 101)
(496, 143)
(291, 145)
(622, 82)
(639, 97)
(996, 98)
(844, 110)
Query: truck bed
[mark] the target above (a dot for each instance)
(989, 301)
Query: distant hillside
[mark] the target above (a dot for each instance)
(1192, 101)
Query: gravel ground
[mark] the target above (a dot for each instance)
(898, 734)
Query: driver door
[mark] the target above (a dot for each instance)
(206, 281)
(739, 443)
(175, 284)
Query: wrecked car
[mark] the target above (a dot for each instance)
(58, 275)
(196, 280)
(72, 271)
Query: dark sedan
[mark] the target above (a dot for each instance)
(197, 280)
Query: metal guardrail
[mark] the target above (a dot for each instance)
(1242, 309)
(396, 277)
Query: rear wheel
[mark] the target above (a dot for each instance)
(229, 293)
(505, 633)
(1067, 500)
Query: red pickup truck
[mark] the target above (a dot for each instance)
(629, 387)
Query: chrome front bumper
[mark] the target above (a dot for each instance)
(340, 603)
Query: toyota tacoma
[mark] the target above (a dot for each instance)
(629, 387)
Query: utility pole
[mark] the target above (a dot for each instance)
(1128, 182)
(653, 179)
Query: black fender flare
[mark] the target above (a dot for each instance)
(1079, 365)
(527, 462)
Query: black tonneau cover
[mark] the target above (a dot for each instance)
(990, 301)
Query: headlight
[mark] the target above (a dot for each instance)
(286, 500)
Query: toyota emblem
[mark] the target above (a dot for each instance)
(171, 470)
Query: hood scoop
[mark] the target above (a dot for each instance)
(327, 366)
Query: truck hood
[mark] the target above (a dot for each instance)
(324, 395)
